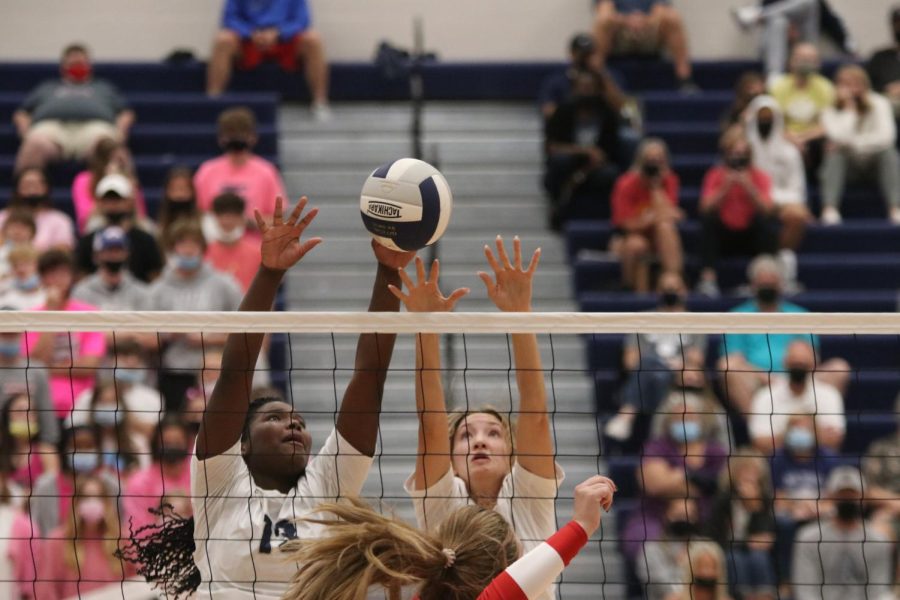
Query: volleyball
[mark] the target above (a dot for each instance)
(406, 204)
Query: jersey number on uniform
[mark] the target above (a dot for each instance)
(283, 529)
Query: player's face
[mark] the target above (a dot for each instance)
(479, 447)
(279, 438)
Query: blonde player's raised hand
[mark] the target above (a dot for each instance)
(510, 288)
(591, 495)
(424, 295)
(281, 246)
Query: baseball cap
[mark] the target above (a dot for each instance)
(114, 183)
(110, 238)
(845, 478)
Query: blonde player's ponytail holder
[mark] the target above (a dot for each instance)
(451, 557)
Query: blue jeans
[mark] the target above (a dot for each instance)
(751, 572)
(647, 386)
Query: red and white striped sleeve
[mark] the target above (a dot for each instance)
(532, 574)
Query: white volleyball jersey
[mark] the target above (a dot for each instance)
(238, 527)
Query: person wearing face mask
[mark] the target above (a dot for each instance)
(72, 358)
(884, 65)
(115, 203)
(798, 393)
(645, 214)
(31, 194)
(168, 475)
(803, 94)
(238, 169)
(743, 523)
(112, 287)
(21, 452)
(783, 163)
(65, 117)
(705, 573)
(682, 461)
(841, 557)
(179, 200)
(736, 209)
(232, 249)
(189, 283)
(658, 567)
(654, 363)
(78, 557)
(748, 362)
(25, 291)
(862, 138)
(123, 449)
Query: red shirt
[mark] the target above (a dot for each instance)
(241, 260)
(737, 209)
(631, 196)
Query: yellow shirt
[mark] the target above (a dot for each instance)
(802, 106)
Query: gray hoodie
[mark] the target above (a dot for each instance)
(775, 155)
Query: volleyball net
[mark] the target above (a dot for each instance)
(756, 453)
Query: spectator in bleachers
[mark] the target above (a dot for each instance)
(18, 377)
(179, 200)
(683, 462)
(238, 169)
(557, 88)
(783, 163)
(798, 393)
(643, 27)
(881, 466)
(109, 157)
(20, 448)
(273, 30)
(582, 148)
(803, 94)
(189, 283)
(18, 548)
(25, 291)
(799, 471)
(72, 358)
(645, 214)
(749, 85)
(750, 361)
(841, 557)
(777, 17)
(743, 523)
(658, 567)
(112, 287)
(31, 194)
(655, 363)
(736, 209)
(697, 394)
(121, 445)
(18, 229)
(231, 249)
(884, 66)
(862, 137)
(51, 498)
(705, 572)
(168, 475)
(79, 556)
(65, 117)
(115, 195)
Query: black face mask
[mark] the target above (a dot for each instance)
(797, 375)
(651, 170)
(235, 145)
(767, 295)
(181, 206)
(765, 129)
(848, 510)
(707, 583)
(35, 200)
(671, 298)
(585, 102)
(116, 218)
(173, 456)
(681, 529)
(739, 162)
(113, 266)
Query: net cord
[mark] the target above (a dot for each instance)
(446, 323)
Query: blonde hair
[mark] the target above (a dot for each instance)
(23, 253)
(741, 459)
(73, 554)
(696, 550)
(362, 548)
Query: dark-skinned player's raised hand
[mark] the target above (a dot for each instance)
(281, 245)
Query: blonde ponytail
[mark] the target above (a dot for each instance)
(361, 548)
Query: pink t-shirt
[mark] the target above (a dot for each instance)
(241, 260)
(64, 389)
(257, 181)
(23, 551)
(58, 581)
(84, 201)
(147, 487)
(29, 472)
(54, 229)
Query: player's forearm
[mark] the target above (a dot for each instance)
(430, 401)
(373, 351)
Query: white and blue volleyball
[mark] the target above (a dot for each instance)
(406, 204)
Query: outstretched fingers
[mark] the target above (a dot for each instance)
(277, 216)
(308, 245)
(456, 296)
(298, 210)
(535, 259)
(260, 222)
(517, 253)
(501, 252)
(435, 274)
(405, 279)
(398, 293)
(488, 281)
(495, 266)
(305, 221)
(420, 270)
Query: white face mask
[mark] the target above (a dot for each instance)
(213, 232)
(230, 237)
